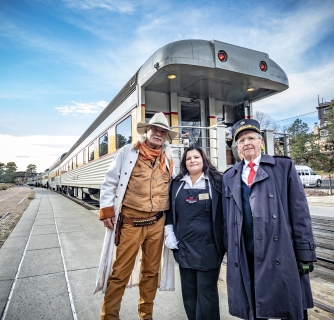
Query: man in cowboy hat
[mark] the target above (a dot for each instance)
(268, 229)
(135, 194)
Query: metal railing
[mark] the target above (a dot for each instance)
(211, 139)
(327, 185)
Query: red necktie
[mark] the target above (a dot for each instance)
(251, 173)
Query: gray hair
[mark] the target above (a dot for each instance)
(165, 146)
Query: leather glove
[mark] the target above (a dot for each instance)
(170, 239)
(305, 267)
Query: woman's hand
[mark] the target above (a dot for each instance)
(170, 239)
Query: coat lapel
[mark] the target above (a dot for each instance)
(234, 184)
(261, 174)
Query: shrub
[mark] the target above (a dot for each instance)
(31, 194)
(5, 186)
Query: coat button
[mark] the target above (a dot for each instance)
(236, 264)
(277, 262)
(271, 195)
(236, 243)
(121, 185)
(130, 161)
(124, 172)
(274, 216)
(275, 238)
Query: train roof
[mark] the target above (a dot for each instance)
(200, 74)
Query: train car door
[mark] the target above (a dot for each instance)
(192, 118)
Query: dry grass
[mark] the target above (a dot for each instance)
(5, 186)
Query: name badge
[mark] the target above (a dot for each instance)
(203, 196)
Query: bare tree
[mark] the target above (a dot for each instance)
(266, 121)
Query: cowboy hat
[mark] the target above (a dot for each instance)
(158, 120)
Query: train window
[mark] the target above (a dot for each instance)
(76, 161)
(103, 145)
(191, 118)
(84, 156)
(123, 133)
(148, 116)
(91, 152)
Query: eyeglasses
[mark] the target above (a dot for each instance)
(250, 139)
(157, 130)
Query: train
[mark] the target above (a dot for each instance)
(203, 87)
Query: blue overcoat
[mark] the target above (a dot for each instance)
(282, 235)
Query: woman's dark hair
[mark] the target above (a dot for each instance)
(209, 170)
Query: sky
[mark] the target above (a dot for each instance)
(63, 61)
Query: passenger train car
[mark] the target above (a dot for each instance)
(203, 88)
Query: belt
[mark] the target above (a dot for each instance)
(141, 222)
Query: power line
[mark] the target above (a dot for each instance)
(297, 116)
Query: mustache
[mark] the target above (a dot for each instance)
(157, 137)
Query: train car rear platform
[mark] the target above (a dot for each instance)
(49, 264)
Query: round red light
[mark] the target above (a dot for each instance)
(222, 56)
(263, 66)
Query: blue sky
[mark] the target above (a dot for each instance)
(62, 61)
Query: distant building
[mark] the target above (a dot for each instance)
(322, 111)
(318, 130)
(21, 177)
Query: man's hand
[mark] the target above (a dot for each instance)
(305, 267)
(109, 223)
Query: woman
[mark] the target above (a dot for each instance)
(193, 231)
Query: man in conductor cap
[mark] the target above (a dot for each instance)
(269, 239)
(135, 195)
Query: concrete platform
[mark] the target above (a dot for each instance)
(48, 267)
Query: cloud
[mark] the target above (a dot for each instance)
(301, 99)
(110, 5)
(42, 151)
(82, 108)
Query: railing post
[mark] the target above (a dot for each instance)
(330, 185)
(221, 147)
(269, 141)
(286, 145)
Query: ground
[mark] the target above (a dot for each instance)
(14, 206)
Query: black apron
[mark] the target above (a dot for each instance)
(194, 230)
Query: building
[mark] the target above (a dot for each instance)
(20, 177)
(323, 108)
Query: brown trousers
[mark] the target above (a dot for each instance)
(150, 238)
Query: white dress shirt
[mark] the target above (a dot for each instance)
(246, 169)
(199, 184)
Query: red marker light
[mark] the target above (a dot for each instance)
(263, 66)
(222, 56)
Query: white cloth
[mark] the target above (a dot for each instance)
(199, 184)
(167, 281)
(112, 194)
(246, 168)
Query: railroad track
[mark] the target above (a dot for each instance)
(89, 204)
